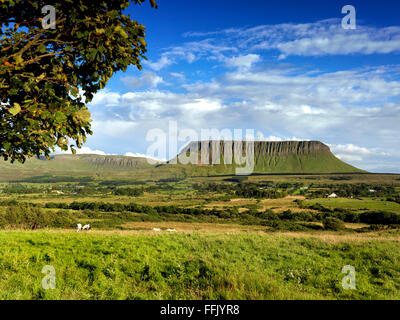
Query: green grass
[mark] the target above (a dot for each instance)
(365, 203)
(212, 265)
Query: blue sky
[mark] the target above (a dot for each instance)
(286, 69)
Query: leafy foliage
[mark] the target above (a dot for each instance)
(332, 223)
(44, 71)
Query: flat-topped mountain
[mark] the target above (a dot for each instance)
(289, 157)
(269, 156)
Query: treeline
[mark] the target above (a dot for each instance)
(21, 189)
(368, 217)
(73, 189)
(132, 192)
(131, 207)
(243, 190)
(355, 190)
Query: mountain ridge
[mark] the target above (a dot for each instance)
(286, 157)
(269, 156)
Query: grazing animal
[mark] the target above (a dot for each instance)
(156, 229)
(86, 227)
(78, 227)
(171, 230)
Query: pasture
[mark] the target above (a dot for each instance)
(357, 204)
(263, 237)
(202, 264)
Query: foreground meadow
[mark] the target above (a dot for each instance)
(199, 264)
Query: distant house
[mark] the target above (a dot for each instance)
(372, 190)
(332, 195)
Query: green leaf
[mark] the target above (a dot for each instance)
(143, 42)
(121, 31)
(82, 115)
(15, 109)
(42, 48)
(18, 59)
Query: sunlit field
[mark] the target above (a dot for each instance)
(264, 237)
(205, 264)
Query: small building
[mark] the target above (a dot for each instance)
(372, 190)
(332, 195)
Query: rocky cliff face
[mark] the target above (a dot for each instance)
(93, 161)
(290, 147)
(269, 156)
(117, 162)
(263, 148)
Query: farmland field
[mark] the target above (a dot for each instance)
(205, 264)
(366, 204)
(259, 237)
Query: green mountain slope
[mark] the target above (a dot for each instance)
(269, 157)
(80, 162)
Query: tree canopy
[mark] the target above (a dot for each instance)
(47, 75)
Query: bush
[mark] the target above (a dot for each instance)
(380, 217)
(331, 223)
(24, 216)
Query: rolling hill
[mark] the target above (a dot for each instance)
(76, 165)
(81, 162)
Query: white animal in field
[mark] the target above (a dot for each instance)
(171, 230)
(78, 227)
(86, 227)
(156, 229)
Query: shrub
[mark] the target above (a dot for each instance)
(380, 217)
(23, 216)
(331, 223)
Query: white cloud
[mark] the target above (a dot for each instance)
(243, 62)
(142, 155)
(180, 76)
(163, 62)
(353, 153)
(190, 52)
(325, 37)
(113, 128)
(106, 98)
(351, 148)
(83, 150)
(149, 79)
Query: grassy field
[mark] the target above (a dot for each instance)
(358, 204)
(205, 264)
(262, 237)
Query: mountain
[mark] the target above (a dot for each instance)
(269, 157)
(81, 162)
